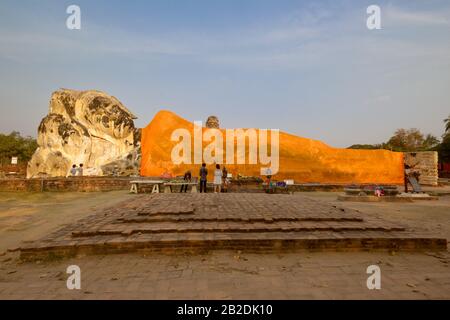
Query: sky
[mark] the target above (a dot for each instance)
(310, 68)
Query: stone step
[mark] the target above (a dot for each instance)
(218, 230)
(233, 219)
(262, 242)
(202, 222)
(233, 227)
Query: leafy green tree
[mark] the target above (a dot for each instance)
(447, 124)
(430, 142)
(444, 148)
(14, 145)
(365, 146)
(409, 140)
(404, 140)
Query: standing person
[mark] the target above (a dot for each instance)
(225, 179)
(80, 170)
(74, 170)
(187, 177)
(203, 175)
(406, 173)
(217, 179)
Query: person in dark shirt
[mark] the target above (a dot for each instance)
(203, 177)
(225, 179)
(187, 177)
(406, 173)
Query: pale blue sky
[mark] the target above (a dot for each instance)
(310, 68)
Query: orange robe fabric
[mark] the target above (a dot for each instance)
(303, 160)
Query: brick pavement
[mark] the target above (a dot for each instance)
(250, 222)
(231, 275)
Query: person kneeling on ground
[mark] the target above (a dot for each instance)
(187, 177)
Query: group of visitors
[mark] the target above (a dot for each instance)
(220, 179)
(76, 171)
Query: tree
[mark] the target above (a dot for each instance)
(430, 142)
(444, 148)
(411, 140)
(404, 140)
(14, 145)
(365, 146)
(447, 124)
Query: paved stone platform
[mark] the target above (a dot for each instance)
(249, 222)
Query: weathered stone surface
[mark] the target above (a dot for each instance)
(212, 122)
(426, 163)
(89, 127)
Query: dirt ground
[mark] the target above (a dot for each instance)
(434, 215)
(29, 216)
(219, 274)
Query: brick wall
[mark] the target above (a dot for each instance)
(12, 171)
(81, 184)
(426, 163)
(91, 184)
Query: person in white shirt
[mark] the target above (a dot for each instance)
(80, 169)
(73, 171)
(217, 179)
